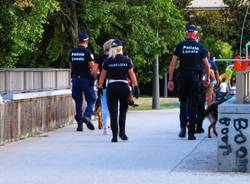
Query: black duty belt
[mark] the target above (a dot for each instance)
(192, 72)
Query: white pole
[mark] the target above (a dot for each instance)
(242, 28)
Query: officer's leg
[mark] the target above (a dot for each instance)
(195, 96)
(89, 93)
(90, 97)
(183, 117)
(201, 111)
(192, 117)
(123, 111)
(182, 94)
(113, 109)
(77, 96)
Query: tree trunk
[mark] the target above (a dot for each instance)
(74, 28)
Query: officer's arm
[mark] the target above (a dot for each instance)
(102, 78)
(70, 67)
(171, 72)
(132, 76)
(172, 67)
(93, 69)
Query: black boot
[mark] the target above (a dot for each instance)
(114, 139)
(191, 137)
(123, 137)
(79, 127)
(199, 129)
(114, 133)
(88, 122)
(182, 133)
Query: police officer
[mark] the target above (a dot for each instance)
(117, 68)
(193, 59)
(82, 74)
(100, 60)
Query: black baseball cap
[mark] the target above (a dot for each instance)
(83, 37)
(116, 43)
(191, 29)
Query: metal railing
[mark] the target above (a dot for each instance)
(33, 79)
(243, 87)
(242, 82)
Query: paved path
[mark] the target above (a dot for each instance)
(153, 154)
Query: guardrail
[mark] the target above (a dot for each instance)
(243, 87)
(33, 79)
(242, 82)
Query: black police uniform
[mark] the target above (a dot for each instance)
(191, 54)
(117, 91)
(82, 82)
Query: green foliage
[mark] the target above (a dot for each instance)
(182, 3)
(21, 28)
(135, 22)
(237, 10)
(218, 48)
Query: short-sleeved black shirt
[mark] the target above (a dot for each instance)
(191, 54)
(117, 68)
(100, 60)
(80, 58)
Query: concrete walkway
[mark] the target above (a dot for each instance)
(153, 154)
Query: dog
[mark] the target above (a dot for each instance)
(212, 114)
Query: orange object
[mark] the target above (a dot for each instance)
(237, 64)
(100, 120)
(241, 66)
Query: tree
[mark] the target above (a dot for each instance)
(182, 4)
(135, 22)
(237, 10)
(21, 28)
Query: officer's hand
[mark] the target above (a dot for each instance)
(171, 85)
(136, 92)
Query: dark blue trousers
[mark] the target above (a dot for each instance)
(189, 94)
(82, 86)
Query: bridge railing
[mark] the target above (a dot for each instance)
(33, 79)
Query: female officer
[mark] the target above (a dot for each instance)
(117, 68)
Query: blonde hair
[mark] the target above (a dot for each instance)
(115, 50)
(107, 45)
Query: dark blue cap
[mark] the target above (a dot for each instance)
(191, 28)
(116, 43)
(83, 37)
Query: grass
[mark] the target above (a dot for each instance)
(146, 104)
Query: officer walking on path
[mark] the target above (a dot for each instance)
(100, 60)
(193, 60)
(117, 68)
(82, 74)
